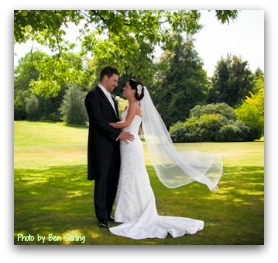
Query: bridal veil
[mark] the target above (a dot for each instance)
(172, 167)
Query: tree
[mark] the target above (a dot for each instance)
(183, 85)
(232, 81)
(126, 38)
(48, 26)
(45, 75)
(23, 74)
(251, 112)
(258, 80)
(251, 117)
(73, 107)
(32, 108)
(29, 73)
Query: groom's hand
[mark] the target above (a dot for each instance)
(126, 136)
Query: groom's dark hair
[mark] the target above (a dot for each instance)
(108, 71)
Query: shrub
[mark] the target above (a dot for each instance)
(217, 122)
(54, 116)
(195, 129)
(216, 108)
(73, 108)
(178, 135)
(251, 116)
(209, 125)
(19, 112)
(32, 108)
(20, 104)
(233, 132)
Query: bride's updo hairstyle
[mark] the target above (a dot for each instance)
(138, 86)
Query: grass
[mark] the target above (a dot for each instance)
(53, 198)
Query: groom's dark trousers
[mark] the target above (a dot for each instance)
(103, 151)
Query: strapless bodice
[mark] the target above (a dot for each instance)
(134, 125)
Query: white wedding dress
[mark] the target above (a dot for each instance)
(135, 201)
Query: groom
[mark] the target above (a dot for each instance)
(103, 144)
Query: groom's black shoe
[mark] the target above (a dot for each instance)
(111, 219)
(104, 223)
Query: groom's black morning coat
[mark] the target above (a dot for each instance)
(103, 151)
(102, 144)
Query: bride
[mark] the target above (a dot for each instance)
(135, 201)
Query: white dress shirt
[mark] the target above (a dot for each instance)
(108, 95)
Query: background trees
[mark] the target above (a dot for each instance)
(126, 38)
(181, 82)
(221, 122)
(251, 111)
(211, 122)
(30, 80)
(177, 81)
(73, 107)
(232, 81)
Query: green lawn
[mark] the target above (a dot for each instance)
(54, 200)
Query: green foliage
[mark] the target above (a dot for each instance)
(211, 122)
(257, 98)
(32, 108)
(208, 126)
(44, 26)
(182, 85)
(65, 71)
(47, 88)
(226, 15)
(178, 132)
(27, 70)
(215, 108)
(251, 117)
(45, 75)
(122, 103)
(232, 81)
(73, 108)
(251, 112)
(234, 132)
(20, 105)
(27, 78)
(123, 38)
(145, 25)
(197, 129)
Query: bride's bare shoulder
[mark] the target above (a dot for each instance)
(133, 105)
(134, 108)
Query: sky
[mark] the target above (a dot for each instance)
(242, 37)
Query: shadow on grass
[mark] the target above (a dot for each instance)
(58, 202)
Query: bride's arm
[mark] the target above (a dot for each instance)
(129, 117)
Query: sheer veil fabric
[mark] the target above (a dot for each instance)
(172, 167)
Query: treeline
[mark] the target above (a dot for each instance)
(229, 106)
(52, 87)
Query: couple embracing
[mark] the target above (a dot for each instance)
(116, 162)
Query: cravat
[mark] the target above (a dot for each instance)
(109, 97)
(111, 101)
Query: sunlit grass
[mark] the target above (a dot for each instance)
(53, 198)
(41, 144)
